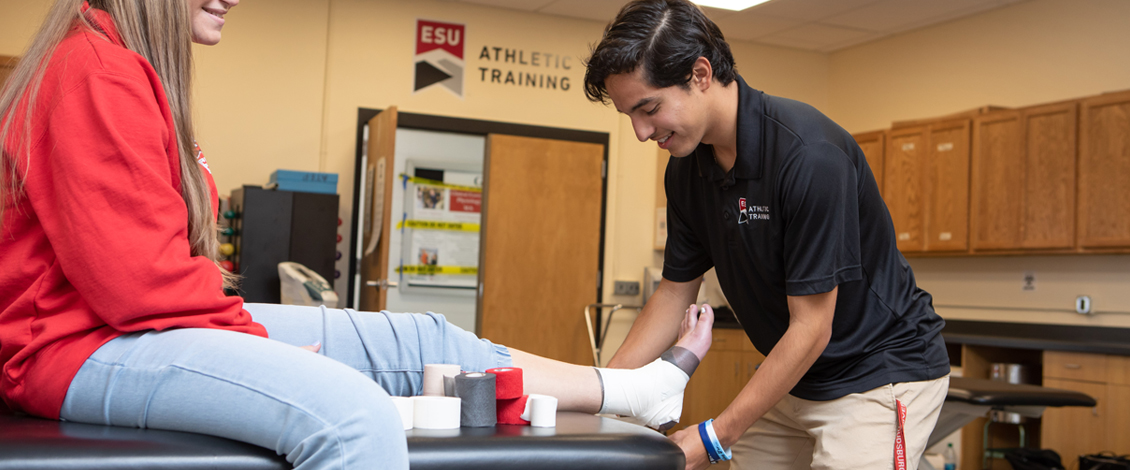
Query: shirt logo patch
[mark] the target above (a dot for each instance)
(747, 212)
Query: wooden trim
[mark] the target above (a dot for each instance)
(970, 114)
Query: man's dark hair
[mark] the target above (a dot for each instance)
(665, 37)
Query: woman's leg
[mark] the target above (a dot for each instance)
(392, 348)
(318, 412)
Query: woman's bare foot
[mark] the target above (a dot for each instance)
(695, 334)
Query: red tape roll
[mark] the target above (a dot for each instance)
(507, 383)
(510, 410)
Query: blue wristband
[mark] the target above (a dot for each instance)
(710, 453)
(714, 448)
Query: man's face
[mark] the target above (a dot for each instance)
(671, 116)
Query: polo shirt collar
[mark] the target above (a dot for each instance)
(750, 149)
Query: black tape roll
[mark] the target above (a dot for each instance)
(476, 391)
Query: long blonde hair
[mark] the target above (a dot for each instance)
(161, 32)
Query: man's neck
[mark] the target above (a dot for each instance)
(723, 133)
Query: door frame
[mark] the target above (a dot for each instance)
(430, 122)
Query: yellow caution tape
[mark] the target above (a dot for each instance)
(427, 269)
(428, 182)
(437, 225)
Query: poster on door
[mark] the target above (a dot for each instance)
(441, 230)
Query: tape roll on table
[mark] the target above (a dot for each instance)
(507, 383)
(476, 391)
(435, 412)
(510, 410)
(449, 386)
(433, 378)
(405, 406)
(541, 411)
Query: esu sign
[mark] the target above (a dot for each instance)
(432, 35)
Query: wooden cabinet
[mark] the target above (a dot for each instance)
(1077, 431)
(947, 186)
(873, 145)
(6, 66)
(903, 175)
(1104, 171)
(728, 366)
(926, 186)
(1023, 179)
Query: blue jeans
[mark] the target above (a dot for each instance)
(323, 411)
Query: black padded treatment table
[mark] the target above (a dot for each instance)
(969, 399)
(579, 441)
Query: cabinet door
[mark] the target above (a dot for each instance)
(1118, 419)
(1049, 186)
(873, 145)
(1075, 431)
(903, 186)
(1104, 171)
(947, 210)
(718, 379)
(997, 182)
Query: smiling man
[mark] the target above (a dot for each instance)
(780, 200)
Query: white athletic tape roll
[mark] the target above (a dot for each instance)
(433, 378)
(436, 412)
(405, 405)
(541, 411)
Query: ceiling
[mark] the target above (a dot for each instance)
(814, 25)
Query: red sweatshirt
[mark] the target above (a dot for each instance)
(98, 244)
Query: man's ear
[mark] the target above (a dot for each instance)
(702, 74)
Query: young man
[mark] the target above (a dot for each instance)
(779, 199)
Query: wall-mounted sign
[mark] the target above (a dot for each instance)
(525, 68)
(439, 55)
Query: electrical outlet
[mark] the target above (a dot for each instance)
(626, 288)
(1083, 305)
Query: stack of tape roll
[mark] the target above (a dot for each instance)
(434, 378)
(405, 405)
(541, 411)
(476, 392)
(431, 412)
(508, 391)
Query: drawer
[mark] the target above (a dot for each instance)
(1075, 366)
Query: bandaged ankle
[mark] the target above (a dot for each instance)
(653, 393)
(682, 357)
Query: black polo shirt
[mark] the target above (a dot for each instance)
(799, 214)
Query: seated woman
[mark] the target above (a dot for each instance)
(112, 308)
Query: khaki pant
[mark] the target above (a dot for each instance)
(856, 431)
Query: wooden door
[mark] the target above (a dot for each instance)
(873, 145)
(903, 186)
(1049, 184)
(947, 186)
(541, 244)
(378, 207)
(1104, 171)
(997, 187)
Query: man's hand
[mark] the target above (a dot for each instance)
(691, 443)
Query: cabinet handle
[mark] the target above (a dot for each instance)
(1073, 366)
(1095, 411)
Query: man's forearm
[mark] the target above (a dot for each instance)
(810, 330)
(657, 326)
